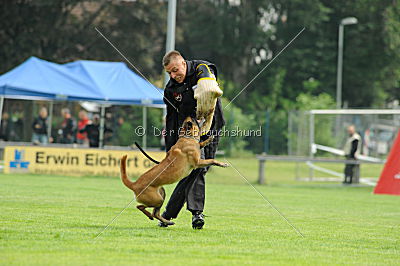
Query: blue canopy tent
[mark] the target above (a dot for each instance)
(115, 83)
(107, 83)
(37, 79)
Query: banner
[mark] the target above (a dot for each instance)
(389, 182)
(75, 161)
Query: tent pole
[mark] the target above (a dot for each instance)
(1, 108)
(164, 113)
(144, 139)
(102, 122)
(50, 118)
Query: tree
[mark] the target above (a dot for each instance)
(64, 30)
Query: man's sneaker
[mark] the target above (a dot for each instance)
(198, 220)
(162, 224)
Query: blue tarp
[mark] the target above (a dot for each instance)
(104, 82)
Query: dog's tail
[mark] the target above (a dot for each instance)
(124, 177)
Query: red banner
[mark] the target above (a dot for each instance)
(389, 182)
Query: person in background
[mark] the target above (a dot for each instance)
(108, 125)
(17, 128)
(39, 128)
(81, 138)
(366, 142)
(118, 131)
(123, 133)
(67, 127)
(92, 131)
(5, 128)
(352, 150)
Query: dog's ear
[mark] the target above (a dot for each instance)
(189, 125)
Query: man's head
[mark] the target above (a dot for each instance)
(175, 65)
(351, 130)
(43, 112)
(65, 113)
(82, 115)
(96, 119)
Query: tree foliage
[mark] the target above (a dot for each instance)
(241, 37)
(64, 30)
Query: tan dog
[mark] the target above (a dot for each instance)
(181, 159)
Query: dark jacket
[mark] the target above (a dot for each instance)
(5, 129)
(39, 125)
(67, 127)
(93, 134)
(179, 98)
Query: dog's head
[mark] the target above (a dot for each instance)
(190, 128)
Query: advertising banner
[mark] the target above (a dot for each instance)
(75, 161)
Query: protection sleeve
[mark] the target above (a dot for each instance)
(206, 95)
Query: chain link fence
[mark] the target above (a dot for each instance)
(377, 131)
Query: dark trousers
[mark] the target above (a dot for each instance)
(351, 171)
(191, 189)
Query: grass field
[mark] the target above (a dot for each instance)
(52, 220)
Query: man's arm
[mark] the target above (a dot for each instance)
(35, 122)
(171, 121)
(84, 129)
(354, 146)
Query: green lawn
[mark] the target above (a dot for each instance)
(52, 220)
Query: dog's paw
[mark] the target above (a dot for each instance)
(224, 165)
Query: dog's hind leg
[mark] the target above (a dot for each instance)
(156, 210)
(156, 214)
(142, 208)
(161, 190)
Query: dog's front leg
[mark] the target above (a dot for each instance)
(206, 142)
(208, 162)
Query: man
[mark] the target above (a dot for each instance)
(351, 149)
(92, 129)
(179, 98)
(122, 133)
(81, 138)
(67, 127)
(39, 127)
(5, 127)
